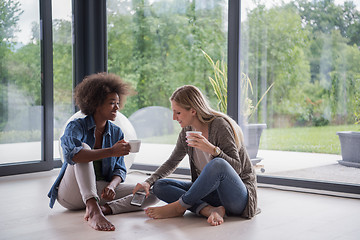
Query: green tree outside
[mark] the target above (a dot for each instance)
(310, 49)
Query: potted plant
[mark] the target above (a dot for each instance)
(252, 132)
(350, 142)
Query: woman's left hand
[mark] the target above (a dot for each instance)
(108, 193)
(200, 142)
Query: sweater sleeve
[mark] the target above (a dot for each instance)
(239, 160)
(173, 161)
(223, 137)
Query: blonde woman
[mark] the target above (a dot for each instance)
(223, 180)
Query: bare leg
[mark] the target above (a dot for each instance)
(215, 215)
(96, 218)
(168, 211)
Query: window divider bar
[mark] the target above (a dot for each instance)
(47, 136)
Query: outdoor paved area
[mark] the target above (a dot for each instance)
(316, 166)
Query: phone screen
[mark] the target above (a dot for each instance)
(138, 199)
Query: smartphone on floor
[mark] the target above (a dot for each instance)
(138, 199)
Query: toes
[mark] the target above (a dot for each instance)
(105, 227)
(110, 227)
(150, 213)
(215, 219)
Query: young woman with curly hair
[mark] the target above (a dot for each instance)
(94, 170)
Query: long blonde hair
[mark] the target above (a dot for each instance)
(189, 96)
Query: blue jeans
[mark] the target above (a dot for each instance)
(217, 185)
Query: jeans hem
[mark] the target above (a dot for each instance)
(183, 204)
(200, 207)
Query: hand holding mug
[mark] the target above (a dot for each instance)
(121, 148)
(197, 140)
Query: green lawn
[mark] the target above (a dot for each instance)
(305, 139)
(302, 139)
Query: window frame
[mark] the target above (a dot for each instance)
(90, 37)
(234, 90)
(47, 160)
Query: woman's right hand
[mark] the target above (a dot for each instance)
(121, 148)
(144, 186)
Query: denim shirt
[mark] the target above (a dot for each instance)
(80, 131)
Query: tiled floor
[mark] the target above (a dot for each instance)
(285, 215)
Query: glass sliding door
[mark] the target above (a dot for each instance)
(302, 58)
(24, 75)
(62, 65)
(21, 83)
(157, 46)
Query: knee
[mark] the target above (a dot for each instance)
(83, 167)
(158, 186)
(86, 146)
(217, 166)
(218, 163)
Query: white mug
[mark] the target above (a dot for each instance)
(192, 132)
(196, 132)
(134, 145)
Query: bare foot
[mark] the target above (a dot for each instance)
(168, 211)
(86, 216)
(106, 210)
(215, 215)
(96, 218)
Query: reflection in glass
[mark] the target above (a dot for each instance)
(20, 89)
(310, 51)
(156, 45)
(62, 65)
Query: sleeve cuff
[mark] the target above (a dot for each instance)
(69, 157)
(120, 174)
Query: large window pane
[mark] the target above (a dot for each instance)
(156, 45)
(310, 51)
(62, 64)
(20, 90)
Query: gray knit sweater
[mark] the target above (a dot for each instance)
(221, 135)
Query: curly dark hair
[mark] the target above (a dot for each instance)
(93, 90)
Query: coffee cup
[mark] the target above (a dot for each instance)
(188, 133)
(134, 145)
(193, 132)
